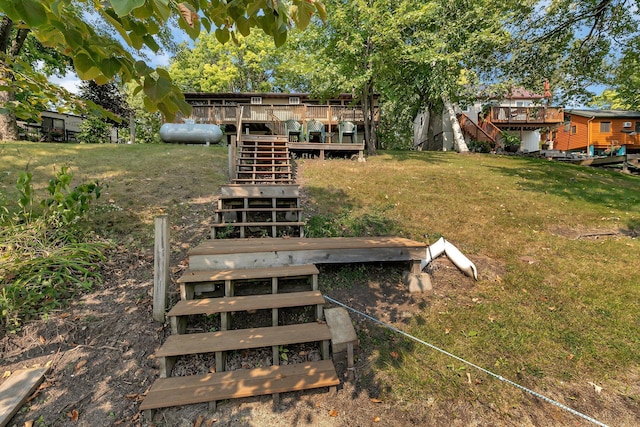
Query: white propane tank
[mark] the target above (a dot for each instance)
(190, 133)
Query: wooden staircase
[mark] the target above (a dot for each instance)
(228, 294)
(257, 210)
(262, 159)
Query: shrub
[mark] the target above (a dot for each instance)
(45, 255)
(94, 131)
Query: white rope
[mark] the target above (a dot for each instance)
(501, 378)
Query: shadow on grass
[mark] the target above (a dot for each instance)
(600, 188)
(431, 157)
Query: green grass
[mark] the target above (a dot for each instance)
(570, 316)
(140, 181)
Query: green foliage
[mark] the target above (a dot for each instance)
(511, 139)
(345, 224)
(44, 259)
(101, 48)
(479, 146)
(147, 124)
(94, 130)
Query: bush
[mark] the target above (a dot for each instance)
(45, 255)
(94, 131)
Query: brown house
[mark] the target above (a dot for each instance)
(599, 132)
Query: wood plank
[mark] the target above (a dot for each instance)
(274, 252)
(249, 273)
(16, 389)
(231, 246)
(177, 391)
(260, 190)
(241, 339)
(259, 224)
(294, 146)
(244, 303)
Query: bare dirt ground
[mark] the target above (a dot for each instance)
(101, 350)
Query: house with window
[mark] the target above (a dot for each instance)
(57, 127)
(270, 113)
(519, 112)
(599, 132)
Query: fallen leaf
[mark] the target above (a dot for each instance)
(73, 415)
(374, 400)
(376, 419)
(6, 374)
(468, 377)
(64, 315)
(528, 259)
(132, 396)
(333, 413)
(28, 423)
(597, 388)
(394, 354)
(80, 364)
(198, 421)
(446, 331)
(478, 381)
(551, 308)
(41, 339)
(570, 356)
(210, 422)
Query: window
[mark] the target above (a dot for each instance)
(256, 100)
(605, 127)
(574, 129)
(637, 126)
(294, 100)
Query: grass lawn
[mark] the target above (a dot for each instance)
(558, 311)
(563, 306)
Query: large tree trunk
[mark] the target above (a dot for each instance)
(369, 119)
(8, 123)
(458, 138)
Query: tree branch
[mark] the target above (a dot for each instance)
(596, 12)
(5, 33)
(18, 42)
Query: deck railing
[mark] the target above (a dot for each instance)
(526, 115)
(222, 114)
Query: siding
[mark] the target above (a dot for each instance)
(599, 140)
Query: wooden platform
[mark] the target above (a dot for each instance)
(241, 383)
(277, 252)
(322, 148)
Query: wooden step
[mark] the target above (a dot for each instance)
(259, 224)
(258, 190)
(191, 276)
(265, 209)
(245, 303)
(242, 339)
(261, 180)
(177, 391)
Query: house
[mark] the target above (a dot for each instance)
(58, 127)
(598, 132)
(520, 112)
(268, 114)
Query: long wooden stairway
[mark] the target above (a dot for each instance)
(262, 159)
(230, 295)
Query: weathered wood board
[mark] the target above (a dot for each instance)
(15, 391)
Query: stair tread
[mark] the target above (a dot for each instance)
(244, 303)
(265, 209)
(240, 339)
(177, 391)
(259, 224)
(248, 273)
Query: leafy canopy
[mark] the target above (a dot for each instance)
(102, 54)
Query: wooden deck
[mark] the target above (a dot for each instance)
(277, 252)
(322, 148)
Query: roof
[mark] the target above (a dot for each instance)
(522, 93)
(606, 114)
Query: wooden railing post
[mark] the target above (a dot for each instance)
(160, 267)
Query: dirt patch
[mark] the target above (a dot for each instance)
(102, 352)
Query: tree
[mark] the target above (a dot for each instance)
(249, 65)
(109, 97)
(127, 26)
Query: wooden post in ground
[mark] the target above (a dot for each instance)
(160, 267)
